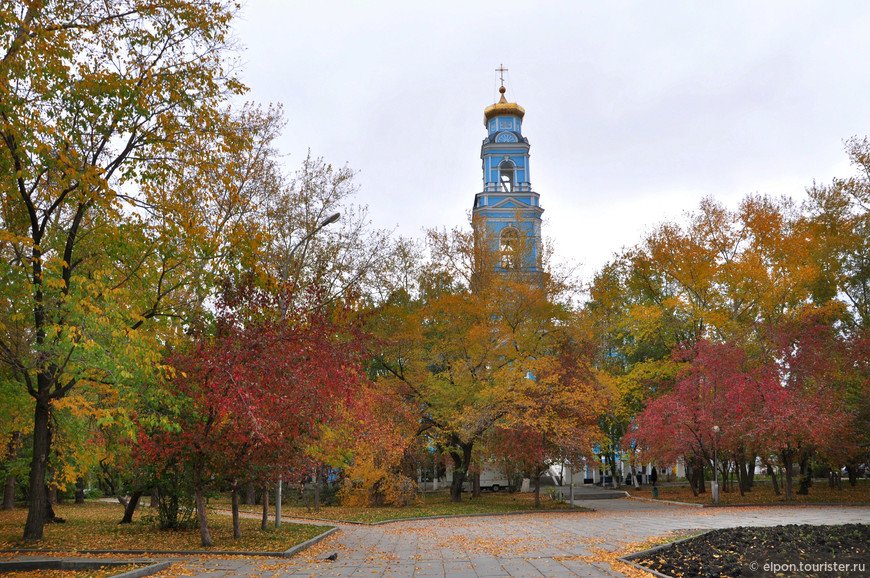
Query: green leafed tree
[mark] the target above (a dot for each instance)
(123, 176)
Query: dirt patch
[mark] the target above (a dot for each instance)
(779, 550)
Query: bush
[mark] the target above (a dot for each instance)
(382, 489)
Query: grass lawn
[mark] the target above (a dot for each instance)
(436, 504)
(762, 493)
(94, 526)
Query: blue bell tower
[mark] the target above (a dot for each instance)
(508, 212)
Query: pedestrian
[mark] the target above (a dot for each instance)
(653, 476)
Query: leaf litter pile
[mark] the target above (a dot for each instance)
(744, 551)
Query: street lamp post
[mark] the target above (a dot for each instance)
(284, 273)
(715, 486)
(327, 221)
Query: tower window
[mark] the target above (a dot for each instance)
(509, 245)
(506, 176)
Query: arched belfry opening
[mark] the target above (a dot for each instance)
(507, 173)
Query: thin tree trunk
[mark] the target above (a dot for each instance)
(634, 481)
(202, 515)
(690, 475)
(264, 524)
(155, 497)
(130, 507)
(741, 484)
(772, 473)
(537, 487)
(249, 498)
(751, 476)
(237, 528)
(80, 491)
(9, 486)
(806, 478)
(9, 493)
(475, 485)
(317, 489)
(699, 477)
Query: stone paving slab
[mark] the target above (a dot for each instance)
(557, 544)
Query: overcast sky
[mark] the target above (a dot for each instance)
(634, 110)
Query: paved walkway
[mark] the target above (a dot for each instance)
(562, 544)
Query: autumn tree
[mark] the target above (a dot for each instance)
(467, 347)
(254, 392)
(103, 108)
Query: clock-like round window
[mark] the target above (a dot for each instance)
(506, 137)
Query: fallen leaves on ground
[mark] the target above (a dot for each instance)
(762, 493)
(437, 504)
(94, 526)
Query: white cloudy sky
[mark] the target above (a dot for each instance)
(634, 110)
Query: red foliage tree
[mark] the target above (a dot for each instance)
(253, 392)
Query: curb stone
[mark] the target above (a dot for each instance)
(37, 564)
(309, 543)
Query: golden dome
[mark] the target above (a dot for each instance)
(502, 107)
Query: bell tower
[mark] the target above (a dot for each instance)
(508, 212)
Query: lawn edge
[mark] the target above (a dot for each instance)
(309, 543)
(150, 566)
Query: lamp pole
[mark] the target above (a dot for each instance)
(284, 273)
(715, 487)
(327, 221)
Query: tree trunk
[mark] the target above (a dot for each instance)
(264, 523)
(787, 465)
(852, 471)
(130, 507)
(237, 528)
(537, 487)
(806, 476)
(741, 477)
(36, 514)
(201, 514)
(9, 493)
(634, 481)
(475, 485)
(9, 486)
(461, 463)
(772, 473)
(155, 497)
(316, 489)
(699, 477)
(80, 491)
(249, 498)
(690, 475)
